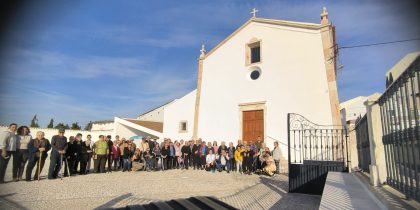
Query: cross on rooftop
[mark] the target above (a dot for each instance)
(203, 50)
(254, 12)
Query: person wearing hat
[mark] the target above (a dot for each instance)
(59, 147)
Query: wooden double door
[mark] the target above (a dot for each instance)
(252, 125)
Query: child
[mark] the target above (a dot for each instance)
(211, 161)
(248, 159)
(239, 158)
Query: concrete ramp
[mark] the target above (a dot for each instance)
(346, 191)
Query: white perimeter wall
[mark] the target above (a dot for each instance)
(293, 80)
(109, 126)
(50, 132)
(181, 110)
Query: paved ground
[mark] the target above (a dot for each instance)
(119, 189)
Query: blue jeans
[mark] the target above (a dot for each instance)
(127, 164)
(221, 167)
(149, 163)
(230, 164)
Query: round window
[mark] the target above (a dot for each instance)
(255, 74)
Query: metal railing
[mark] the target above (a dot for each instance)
(363, 145)
(401, 134)
(313, 151)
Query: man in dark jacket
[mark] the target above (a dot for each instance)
(59, 147)
(196, 156)
(165, 153)
(186, 153)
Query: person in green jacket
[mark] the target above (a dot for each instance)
(100, 152)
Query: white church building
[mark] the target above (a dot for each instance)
(248, 83)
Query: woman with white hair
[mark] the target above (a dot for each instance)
(270, 167)
(38, 152)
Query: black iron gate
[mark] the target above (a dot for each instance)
(313, 151)
(363, 145)
(400, 114)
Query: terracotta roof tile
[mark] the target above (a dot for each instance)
(156, 126)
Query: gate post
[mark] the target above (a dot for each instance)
(288, 140)
(288, 147)
(377, 167)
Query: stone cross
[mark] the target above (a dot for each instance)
(254, 12)
(203, 51)
(324, 11)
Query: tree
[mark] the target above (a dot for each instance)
(88, 126)
(60, 125)
(34, 122)
(67, 126)
(51, 124)
(75, 126)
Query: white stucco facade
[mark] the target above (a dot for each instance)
(156, 114)
(182, 110)
(293, 80)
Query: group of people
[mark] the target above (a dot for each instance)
(73, 156)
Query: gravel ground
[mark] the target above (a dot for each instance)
(118, 189)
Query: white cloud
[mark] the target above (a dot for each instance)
(38, 64)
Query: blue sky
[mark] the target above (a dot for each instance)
(78, 61)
